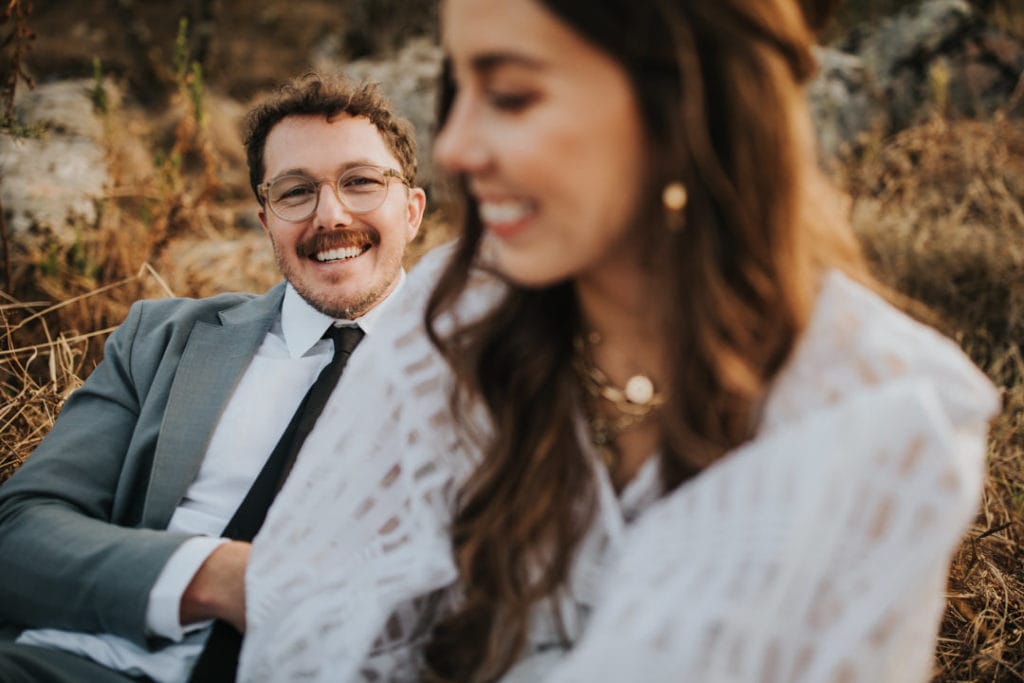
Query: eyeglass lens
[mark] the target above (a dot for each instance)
(295, 197)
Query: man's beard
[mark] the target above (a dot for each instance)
(341, 310)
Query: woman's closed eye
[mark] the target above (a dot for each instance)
(512, 101)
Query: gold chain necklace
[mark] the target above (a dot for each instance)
(634, 403)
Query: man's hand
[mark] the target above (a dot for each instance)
(217, 591)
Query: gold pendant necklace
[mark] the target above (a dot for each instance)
(634, 403)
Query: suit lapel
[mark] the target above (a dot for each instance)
(210, 367)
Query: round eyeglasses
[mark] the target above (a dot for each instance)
(294, 198)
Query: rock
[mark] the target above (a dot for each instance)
(936, 57)
(52, 182)
(844, 101)
(410, 80)
(203, 266)
(1003, 49)
(912, 34)
(898, 53)
(376, 28)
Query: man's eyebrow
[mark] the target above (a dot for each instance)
(290, 171)
(354, 163)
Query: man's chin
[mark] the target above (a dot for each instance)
(336, 292)
(345, 307)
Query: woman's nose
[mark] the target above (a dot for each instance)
(458, 147)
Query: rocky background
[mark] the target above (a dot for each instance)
(126, 91)
(122, 175)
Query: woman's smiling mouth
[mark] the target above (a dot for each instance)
(505, 216)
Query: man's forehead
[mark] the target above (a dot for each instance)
(317, 144)
(340, 168)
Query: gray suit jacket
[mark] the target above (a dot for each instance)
(82, 522)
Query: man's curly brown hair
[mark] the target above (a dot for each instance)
(317, 94)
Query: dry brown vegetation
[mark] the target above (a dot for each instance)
(940, 211)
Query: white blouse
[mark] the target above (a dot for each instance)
(816, 552)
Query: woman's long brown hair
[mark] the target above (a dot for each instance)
(718, 83)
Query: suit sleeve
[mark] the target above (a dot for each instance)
(68, 559)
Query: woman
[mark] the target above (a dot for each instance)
(650, 428)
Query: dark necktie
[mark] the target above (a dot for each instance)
(218, 661)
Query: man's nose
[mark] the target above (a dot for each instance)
(331, 212)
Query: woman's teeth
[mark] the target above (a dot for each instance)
(504, 212)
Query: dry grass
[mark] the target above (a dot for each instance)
(30, 405)
(940, 210)
(66, 297)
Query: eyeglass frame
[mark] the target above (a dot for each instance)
(263, 189)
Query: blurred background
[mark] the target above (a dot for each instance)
(122, 175)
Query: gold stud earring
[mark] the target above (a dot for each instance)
(673, 198)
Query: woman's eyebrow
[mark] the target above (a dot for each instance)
(490, 61)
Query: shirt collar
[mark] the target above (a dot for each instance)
(303, 326)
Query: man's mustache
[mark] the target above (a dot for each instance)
(337, 239)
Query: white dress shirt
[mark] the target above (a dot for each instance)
(259, 409)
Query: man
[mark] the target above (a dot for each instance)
(110, 561)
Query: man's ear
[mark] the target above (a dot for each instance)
(416, 205)
(262, 215)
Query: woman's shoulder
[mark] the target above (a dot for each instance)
(820, 547)
(856, 343)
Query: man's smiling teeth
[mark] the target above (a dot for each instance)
(339, 254)
(504, 212)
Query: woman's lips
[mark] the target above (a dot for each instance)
(505, 217)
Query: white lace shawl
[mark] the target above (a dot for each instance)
(816, 552)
